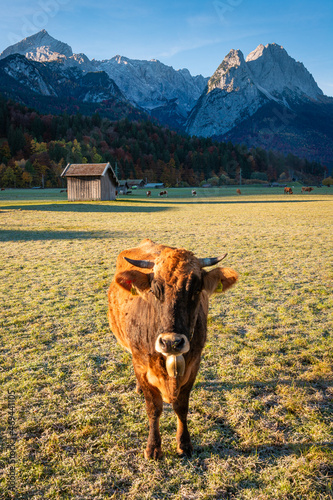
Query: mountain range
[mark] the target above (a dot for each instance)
(266, 99)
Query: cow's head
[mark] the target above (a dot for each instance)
(175, 283)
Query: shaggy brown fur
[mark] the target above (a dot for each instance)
(170, 299)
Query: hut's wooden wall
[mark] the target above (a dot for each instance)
(91, 188)
(108, 188)
(83, 188)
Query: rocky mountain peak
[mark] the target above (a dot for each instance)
(39, 47)
(273, 49)
(274, 70)
(239, 88)
(231, 73)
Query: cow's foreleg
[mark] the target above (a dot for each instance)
(154, 406)
(180, 406)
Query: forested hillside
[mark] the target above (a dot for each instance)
(35, 148)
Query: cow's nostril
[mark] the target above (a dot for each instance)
(171, 344)
(179, 343)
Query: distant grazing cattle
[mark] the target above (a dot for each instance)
(148, 194)
(288, 190)
(307, 189)
(164, 193)
(63, 191)
(158, 306)
(194, 193)
(2, 189)
(238, 191)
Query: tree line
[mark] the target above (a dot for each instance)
(35, 148)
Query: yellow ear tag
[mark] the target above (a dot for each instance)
(219, 288)
(133, 290)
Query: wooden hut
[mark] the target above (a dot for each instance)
(135, 183)
(90, 182)
(123, 187)
(154, 185)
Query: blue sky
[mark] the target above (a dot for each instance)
(183, 34)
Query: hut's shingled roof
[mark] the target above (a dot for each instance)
(85, 169)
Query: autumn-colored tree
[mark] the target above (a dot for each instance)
(27, 179)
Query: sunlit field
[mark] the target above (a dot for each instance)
(261, 410)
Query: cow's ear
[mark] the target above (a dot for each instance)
(219, 280)
(134, 282)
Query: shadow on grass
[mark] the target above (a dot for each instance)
(216, 385)
(85, 207)
(228, 443)
(268, 452)
(24, 235)
(222, 201)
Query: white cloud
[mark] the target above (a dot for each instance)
(188, 45)
(195, 43)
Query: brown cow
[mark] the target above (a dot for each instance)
(288, 190)
(148, 194)
(307, 189)
(194, 193)
(158, 306)
(164, 193)
(238, 191)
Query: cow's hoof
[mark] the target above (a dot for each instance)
(185, 450)
(154, 453)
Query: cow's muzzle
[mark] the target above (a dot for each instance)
(172, 343)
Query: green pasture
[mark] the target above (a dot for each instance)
(261, 410)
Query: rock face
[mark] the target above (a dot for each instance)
(151, 84)
(239, 88)
(146, 84)
(39, 47)
(53, 79)
(274, 70)
(267, 100)
(55, 88)
(230, 96)
(27, 74)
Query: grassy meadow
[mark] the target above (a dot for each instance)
(261, 410)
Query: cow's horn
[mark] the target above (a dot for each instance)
(211, 261)
(148, 264)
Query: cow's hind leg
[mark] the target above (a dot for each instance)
(180, 406)
(138, 389)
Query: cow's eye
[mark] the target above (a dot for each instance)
(196, 294)
(157, 289)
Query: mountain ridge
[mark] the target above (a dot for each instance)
(226, 106)
(267, 74)
(146, 84)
